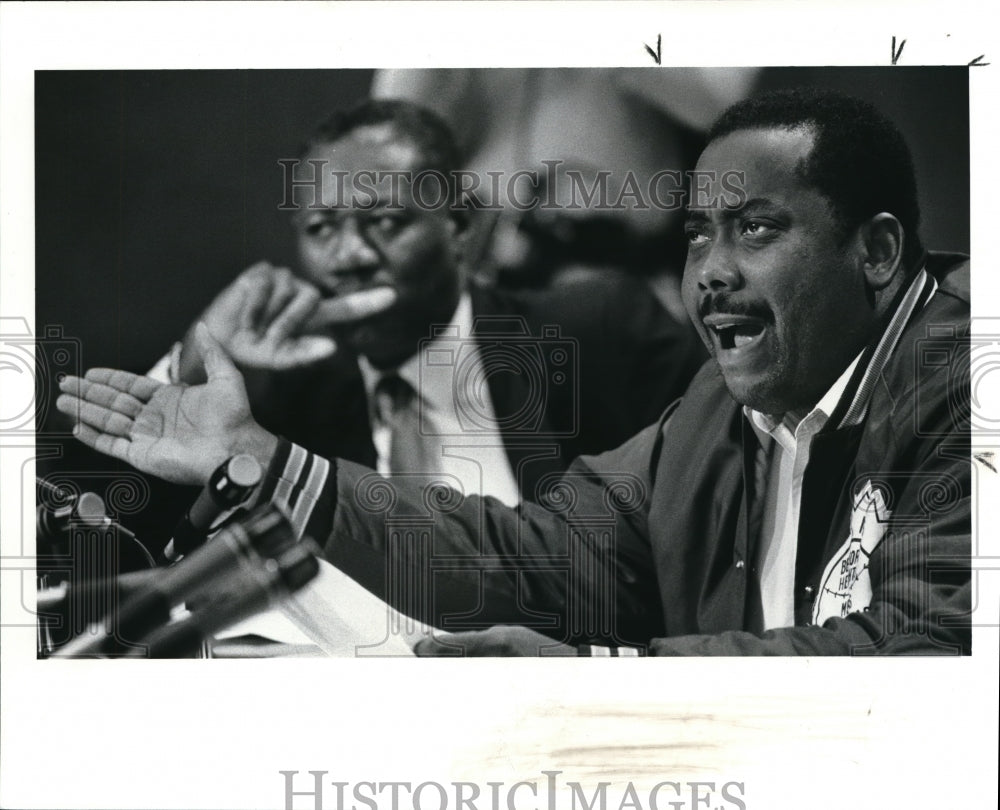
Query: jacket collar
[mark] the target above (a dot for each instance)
(846, 403)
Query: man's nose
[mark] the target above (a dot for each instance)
(351, 251)
(718, 271)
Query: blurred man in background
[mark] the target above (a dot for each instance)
(339, 356)
(617, 122)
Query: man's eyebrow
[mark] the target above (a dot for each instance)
(390, 204)
(311, 210)
(753, 205)
(760, 204)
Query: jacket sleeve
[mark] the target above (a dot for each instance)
(467, 563)
(578, 566)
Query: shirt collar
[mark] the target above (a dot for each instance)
(460, 324)
(768, 424)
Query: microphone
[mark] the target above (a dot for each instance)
(264, 533)
(246, 592)
(230, 484)
(52, 523)
(74, 537)
(53, 597)
(64, 605)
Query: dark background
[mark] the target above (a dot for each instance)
(155, 188)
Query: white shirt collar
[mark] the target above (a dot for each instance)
(765, 424)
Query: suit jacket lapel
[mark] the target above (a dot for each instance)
(325, 409)
(533, 453)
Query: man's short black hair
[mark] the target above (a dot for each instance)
(859, 161)
(425, 128)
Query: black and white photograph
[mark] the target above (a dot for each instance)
(351, 396)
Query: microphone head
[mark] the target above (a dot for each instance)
(229, 485)
(90, 509)
(268, 531)
(234, 478)
(244, 470)
(298, 565)
(52, 522)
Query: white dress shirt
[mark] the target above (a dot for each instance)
(785, 449)
(456, 416)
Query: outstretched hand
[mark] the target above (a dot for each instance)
(501, 641)
(179, 433)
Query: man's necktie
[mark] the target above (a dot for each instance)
(399, 409)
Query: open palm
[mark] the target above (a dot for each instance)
(179, 433)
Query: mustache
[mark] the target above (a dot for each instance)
(728, 304)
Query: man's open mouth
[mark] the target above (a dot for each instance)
(732, 332)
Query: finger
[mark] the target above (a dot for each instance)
(217, 363)
(71, 385)
(306, 350)
(292, 317)
(303, 351)
(142, 388)
(114, 446)
(69, 404)
(352, 307)
(255, 284)
(225, 313)
(261, 269)
(104, 395)
(434, 646)
(477, 643)
(472, 643)
(96, 416)
(283, 290)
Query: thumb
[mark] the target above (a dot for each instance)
(217, 362)
(432, 646)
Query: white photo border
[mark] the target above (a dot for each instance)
(182, 734)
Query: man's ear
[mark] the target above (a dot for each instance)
(458, 225)
(882, 241)
(460, 218)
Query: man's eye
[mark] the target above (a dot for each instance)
(385, 224)
(754, 228)
(695, 237)
(317, 228)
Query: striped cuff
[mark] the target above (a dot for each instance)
(594, 651)
(304, 486)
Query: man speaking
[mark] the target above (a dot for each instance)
(809, 494)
